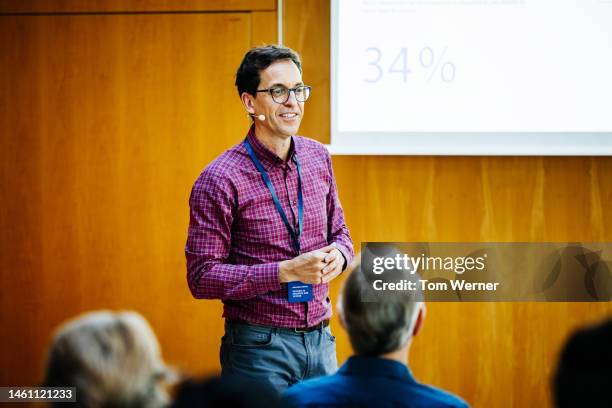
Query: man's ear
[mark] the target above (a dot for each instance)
(418, 324)
(247, 101)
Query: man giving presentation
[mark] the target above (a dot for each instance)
(267, 232)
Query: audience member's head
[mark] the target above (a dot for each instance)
(226, 392)
(584, 373)
(113, 360)
(382, 322)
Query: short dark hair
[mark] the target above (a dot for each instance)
(256, 60)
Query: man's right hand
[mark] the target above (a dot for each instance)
(306, 268)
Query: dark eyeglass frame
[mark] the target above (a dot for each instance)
(289, 90)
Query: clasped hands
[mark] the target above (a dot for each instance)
(318, 266)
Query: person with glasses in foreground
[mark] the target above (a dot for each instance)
(381, 326)
(267, 232)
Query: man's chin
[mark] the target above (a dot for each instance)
(290, 130)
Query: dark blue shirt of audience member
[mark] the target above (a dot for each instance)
(369, 382)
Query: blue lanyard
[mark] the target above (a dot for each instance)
(295, 236)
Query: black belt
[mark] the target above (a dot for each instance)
(318, 326)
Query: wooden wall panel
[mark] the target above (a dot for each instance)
(139, 6)
(306, 29)
(105, 122)
(263, 28)
(492, 354)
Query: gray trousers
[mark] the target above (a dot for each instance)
(281, 357)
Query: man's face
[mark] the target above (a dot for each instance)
(282, 119)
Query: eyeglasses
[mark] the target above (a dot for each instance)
(280, 94)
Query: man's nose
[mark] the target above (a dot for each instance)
(292, 99)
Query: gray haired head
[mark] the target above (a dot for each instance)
(112, 358)
(378, 322)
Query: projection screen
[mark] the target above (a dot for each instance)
(471, 77)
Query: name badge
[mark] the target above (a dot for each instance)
(299, 292)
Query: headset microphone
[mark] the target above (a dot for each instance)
(260, 117)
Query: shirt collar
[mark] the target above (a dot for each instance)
(375, 367)
(267, 157)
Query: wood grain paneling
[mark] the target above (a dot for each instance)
(491, 354)
(137, 6)
(106, 121)
(263, 28)
(306, 29)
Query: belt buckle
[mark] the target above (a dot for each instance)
(317, 326)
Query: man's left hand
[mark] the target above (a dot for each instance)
(335, 262)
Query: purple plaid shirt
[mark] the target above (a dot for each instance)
(237, 238)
